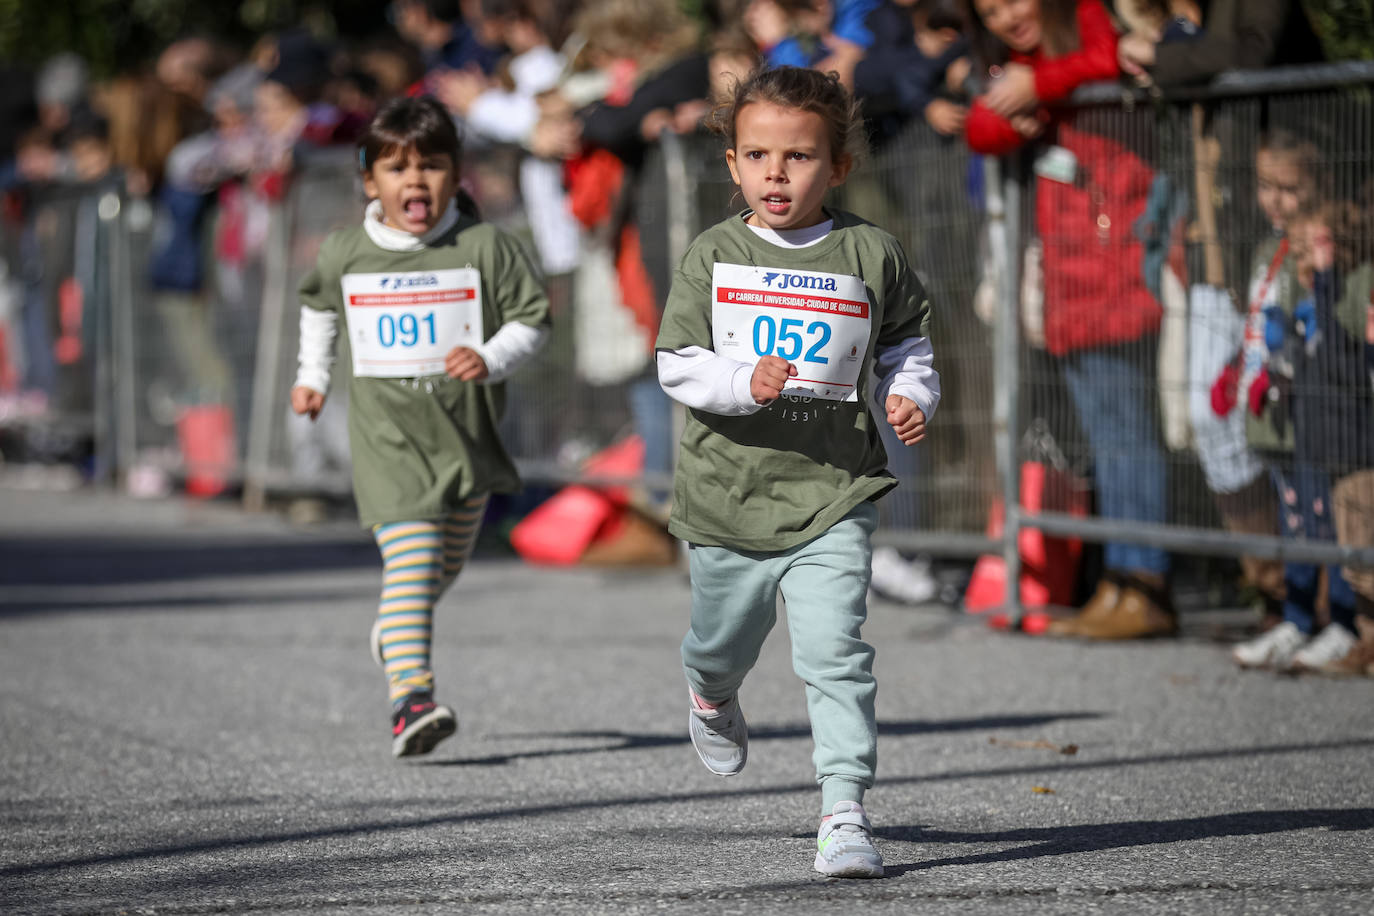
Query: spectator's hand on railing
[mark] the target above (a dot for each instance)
(306, 401)
(653, 124)
(946, 117)
(1135, 52)
(770, 377)
(689, 115)
(957, 74)
(464, 364)
(1028, 126)
(1013, 92)
(906, 419)
(555, 138)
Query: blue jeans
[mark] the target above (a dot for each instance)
(653, 419)
(1305, 512)
(1114, 391)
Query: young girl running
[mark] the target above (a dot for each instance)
(774, 319)
(439, 309)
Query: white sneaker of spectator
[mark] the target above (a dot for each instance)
(1274, 648)
(899, 580)
(1330, 644)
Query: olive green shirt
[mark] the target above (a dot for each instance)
(779, 477)
(420, 446)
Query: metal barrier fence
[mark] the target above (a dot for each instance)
(1082, 318)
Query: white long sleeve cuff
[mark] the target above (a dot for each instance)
(315, 356)
(908, 370)
(509, 348)
(702, 379)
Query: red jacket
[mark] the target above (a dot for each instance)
(1055, 79)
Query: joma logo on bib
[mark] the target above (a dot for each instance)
(777, 280)
(408, 282)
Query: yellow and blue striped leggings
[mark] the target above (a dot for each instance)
(420, 560)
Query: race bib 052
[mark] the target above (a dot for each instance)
(402, 325)
(819, 322)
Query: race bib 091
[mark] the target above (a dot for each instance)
(819, 322)
(402, 325)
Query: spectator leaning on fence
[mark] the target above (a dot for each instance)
(774, 319)
(905, 71)
(425, 392)
(1100, 320)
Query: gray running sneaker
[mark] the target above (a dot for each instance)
(844, 845)
(720, 736)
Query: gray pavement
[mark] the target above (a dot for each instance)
(192, 724)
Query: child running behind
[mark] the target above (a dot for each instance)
(773, 321)
(439, 309)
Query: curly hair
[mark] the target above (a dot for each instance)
(803, 89)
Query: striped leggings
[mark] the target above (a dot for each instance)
(420, 560)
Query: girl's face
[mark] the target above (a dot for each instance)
(1016, 23)
(1281, 187)
(783, 164)
(415, 190)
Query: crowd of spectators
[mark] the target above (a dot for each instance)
(587, 87)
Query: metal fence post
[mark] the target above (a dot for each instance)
(1003, 214)
(266, 396)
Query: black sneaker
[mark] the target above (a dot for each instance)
(418, 724)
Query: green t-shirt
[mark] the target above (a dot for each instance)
(1271, 433)
(420, 446)
(782, 476)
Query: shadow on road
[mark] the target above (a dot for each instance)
(122, 561)
(627, 741)
(1078, 838)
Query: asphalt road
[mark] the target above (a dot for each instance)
(192, 724)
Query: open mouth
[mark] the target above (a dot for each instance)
(776, 203)
(418, 209)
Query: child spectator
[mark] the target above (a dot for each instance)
(1309, 396)
(440, 309)
(445, 39)
(781, 460)
(829, 36)
(905, 71)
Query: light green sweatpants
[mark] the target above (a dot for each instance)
(824, 583)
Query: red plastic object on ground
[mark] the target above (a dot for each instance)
(1049, 565)
(560, 530)
(208, 448)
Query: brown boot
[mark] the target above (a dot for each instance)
(1143, 611)
(1099, 607)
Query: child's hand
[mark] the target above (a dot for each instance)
(465, 365)
(306, 401)
(1028, 126)
(1013, 92)
(957, 73)
(946, 117)
(769, 378)
(906, 419)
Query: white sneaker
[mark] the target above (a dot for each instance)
(844, 845)
(1331, 644)
(899, 580)
(1272, 649)
(719, 735)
